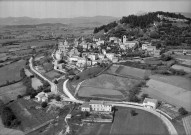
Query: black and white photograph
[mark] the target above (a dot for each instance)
(95, 67)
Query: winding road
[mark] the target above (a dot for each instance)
(53, 86)
(71, 98)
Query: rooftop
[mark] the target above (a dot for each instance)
(150, 100)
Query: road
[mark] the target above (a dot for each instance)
(67, 92)
(53, 86)
(71, 98)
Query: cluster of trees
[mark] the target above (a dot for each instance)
(182, 111)
(8, 117)
(144, 21)
(106, 28)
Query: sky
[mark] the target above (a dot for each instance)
(74, 8)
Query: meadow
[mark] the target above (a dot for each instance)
(107, 86)
(169, 93)
(11, 92)
(11, 72)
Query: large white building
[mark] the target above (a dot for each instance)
(150, 103)
(95, 105)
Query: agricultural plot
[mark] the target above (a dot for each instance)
(11, 72)
(30, 117)
(125, 124)
(134, 72)
(107, 86)
(179, 67)
(101, 93)
(52, 74)
(178, 81)
(11, 92)
(169, 93)
(36, 83)
(106, 81)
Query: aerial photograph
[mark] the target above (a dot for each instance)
(98, 67)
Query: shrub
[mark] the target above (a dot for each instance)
(19, 96)
(182, 111)
(143, 96)
(146, 78)
(77, 77)
(58, 98)
(133, 113)
(44, 104)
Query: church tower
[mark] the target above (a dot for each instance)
(124, 39)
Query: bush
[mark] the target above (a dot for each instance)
(56, 81)
(77, 77)
(143, 96)
(146, 78)
(182, 111)
(44, 104)
(133, 113)
(19, 96)
(58, 98)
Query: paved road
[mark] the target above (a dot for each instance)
(67, 92)
(53, 86)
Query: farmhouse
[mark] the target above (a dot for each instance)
(98, 106)
(150, 103)
(41, 97)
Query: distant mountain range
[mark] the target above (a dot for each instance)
(96, 20)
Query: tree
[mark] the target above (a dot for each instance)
(56, 81)
(182, 111)
(58, 98)
(133, 113)
(143, 96)
(22, 73)
(19, 96)
(8, 117)
(44, 104)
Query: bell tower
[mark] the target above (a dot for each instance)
(124, 39)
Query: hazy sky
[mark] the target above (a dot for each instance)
(63, 9)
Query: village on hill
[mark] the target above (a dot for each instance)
(112, 81)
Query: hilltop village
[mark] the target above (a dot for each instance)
(109, 84)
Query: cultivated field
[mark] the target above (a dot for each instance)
(52, 74)
(108, 86)
(10, 92)
(130, 71)
(11, 72)
(106, 81)
(30, 116)
(179, 67)
(101, 93)
(36, 83)
(125, 124)
(171, 94)
(178, 81)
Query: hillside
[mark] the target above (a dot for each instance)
(141, 21)
(167, 29)
(97, 20)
